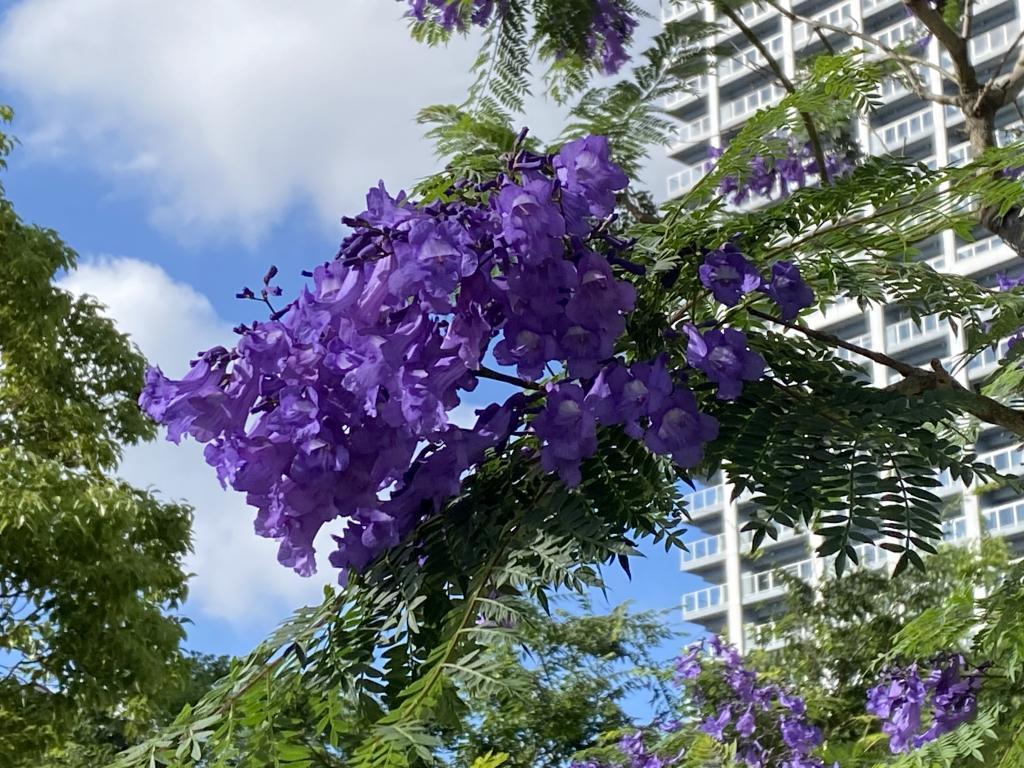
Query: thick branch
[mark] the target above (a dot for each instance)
(917, 381)
(950, 39)
(812, 130)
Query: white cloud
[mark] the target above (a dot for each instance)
(227, 114)
(230, 112)
(237, 576)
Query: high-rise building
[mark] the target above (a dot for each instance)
(742, 592)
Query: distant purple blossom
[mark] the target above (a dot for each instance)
(610, 30)
(765, 723)
(796, 167)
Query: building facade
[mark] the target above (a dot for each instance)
(743, 592)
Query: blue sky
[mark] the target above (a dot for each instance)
(183, 147)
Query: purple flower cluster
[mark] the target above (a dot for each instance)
(636, 753)
(795, 169)
(449, 13)
(947, 689)
(729, 276)
(337, 406)
(767, 724)
(611, 24)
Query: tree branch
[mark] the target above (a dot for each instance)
(954, 44)
(1007, 88)
(812, 131)
(903, 61)
(486, 373)
(917, 381)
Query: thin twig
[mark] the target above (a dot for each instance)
(891, 53)
(991, 81)
(486, 373)
(812, 130)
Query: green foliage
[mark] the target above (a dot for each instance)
(836, 639)
(390, 665)
(576, 670)
(89, 566)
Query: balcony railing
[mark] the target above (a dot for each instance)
(737, 109)
(988, 248)
(907, 332)
(836, 16)
(954, 530)
(785, 533)
(984, 363)
(690, 133)
(748, 60)
(760, 586)
(870, 6)
(682, 181)
(1005, 519)
(905, 131)
(864, 340)
(694, 88)
(987, 44)
(903, 31)
(959, 155)
(702, 550)
(705, 500)
(704, 602)
(674, 10)
(1006, 460)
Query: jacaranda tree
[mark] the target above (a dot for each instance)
(640, 348)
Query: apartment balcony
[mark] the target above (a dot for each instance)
(677, 10)
(987, 45)
(842, 308)
(1009, 460)
(751, 14)
(770, 584)
(904, 31)
(693, 89)
(683, 181)
(836, 16)
(748, 60)
(959, 154)
(908, 333)
(954, 530)
(705, 501)
(734, 111)
(751, 641)
(868, 556)
(864, 340)
(1004, 520)
(704, 602)
(689, 133)
(703, 552)
(903, 132)
(784, 534)
(869, 7)
(986, 362)
(981, 255)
